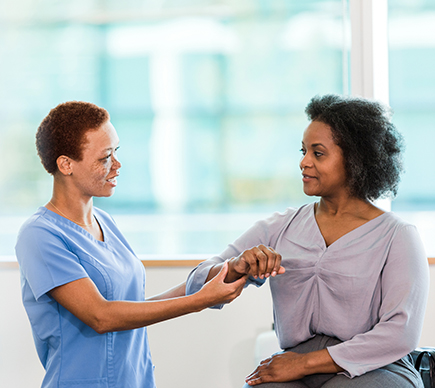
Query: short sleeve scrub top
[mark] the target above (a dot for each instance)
(52, 251)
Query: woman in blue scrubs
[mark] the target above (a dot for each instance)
(82, 285)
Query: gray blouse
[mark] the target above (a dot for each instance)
(369, 288)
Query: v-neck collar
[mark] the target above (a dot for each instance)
(78, 227)
(346, 235)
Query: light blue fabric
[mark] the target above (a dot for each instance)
(53, 251)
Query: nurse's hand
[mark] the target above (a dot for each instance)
(259, 262)
(216, 291)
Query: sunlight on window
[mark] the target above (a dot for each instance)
(207, 97)
(412, 85)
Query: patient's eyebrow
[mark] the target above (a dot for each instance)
(315, 145)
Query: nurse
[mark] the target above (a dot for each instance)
(82, 285)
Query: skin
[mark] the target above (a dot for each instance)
(259, 262)
(337, 213)
(74, 186)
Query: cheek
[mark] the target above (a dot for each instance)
(101, 170)
(341, 174)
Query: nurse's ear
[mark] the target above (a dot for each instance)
(64, 165)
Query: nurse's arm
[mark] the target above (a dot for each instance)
(83, 299)
(174, 292)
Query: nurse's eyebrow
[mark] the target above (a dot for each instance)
(111, 148)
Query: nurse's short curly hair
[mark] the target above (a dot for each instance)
(371, 145)
(62, 131)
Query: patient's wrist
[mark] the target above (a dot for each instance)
(233, 274)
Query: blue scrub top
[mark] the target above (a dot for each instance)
(53, 251)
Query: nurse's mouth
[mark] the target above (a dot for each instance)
(112, 181)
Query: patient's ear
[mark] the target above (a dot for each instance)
(64, 165)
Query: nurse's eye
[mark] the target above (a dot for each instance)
(317, 154)
(303, 151)
(113, 153)
(105, 159)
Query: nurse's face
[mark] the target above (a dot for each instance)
(322, 164)
(95, 175)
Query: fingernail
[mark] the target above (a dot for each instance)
(274, 273)
(267, 275)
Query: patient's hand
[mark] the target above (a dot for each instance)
(259, 262)
(281, 367)
(290, 366)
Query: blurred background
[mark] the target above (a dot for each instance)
(208, 99)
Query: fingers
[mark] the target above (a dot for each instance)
(273, 261)
(223, 272)
(237, 287)
(260, 374)
(217, 291)
(277, 269)
(260, 262)
(284, 366)
(262, 255)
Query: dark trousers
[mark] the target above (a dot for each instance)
(399, 374)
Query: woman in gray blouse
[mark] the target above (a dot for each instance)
(352, 288)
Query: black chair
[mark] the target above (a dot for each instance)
(424, 362)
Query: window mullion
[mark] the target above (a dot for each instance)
(369, 54)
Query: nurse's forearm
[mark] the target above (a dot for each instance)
(83, 299)
(124, 315)
(174, 292)
(87, 304)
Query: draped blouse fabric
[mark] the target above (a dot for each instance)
(369, 288)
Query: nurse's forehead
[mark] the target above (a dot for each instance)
(101, 139)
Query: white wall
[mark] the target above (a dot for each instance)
(212, 349)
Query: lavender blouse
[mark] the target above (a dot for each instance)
(369, 288)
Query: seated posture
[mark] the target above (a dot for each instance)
(350, 305)
(83, 287)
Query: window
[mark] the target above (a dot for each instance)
(207, 97)
(412, 96)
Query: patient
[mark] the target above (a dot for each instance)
(350, 305)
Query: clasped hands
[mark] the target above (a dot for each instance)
(260, 262)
